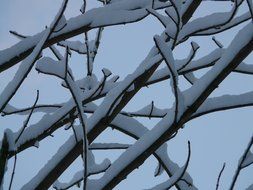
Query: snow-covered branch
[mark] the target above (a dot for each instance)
(245, 161)
(148, 143)
(26, 66)
(115, 95)
(175, 177)
(122, 12)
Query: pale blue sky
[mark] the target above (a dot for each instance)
(215, 138)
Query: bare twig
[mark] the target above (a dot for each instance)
(28, 63)
(240, 164)
(220, 173)
(76, 92)
(3, 158)
(13, 171)
(167, 57)
(28, 118)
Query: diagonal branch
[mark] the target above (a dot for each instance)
(28, 63)
(145, 146)
(71, 155)
(121, 13)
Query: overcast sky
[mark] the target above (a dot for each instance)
(215, 138)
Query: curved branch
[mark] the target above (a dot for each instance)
(240, 164)
(197, 94)
(28, 63)
(121, 13)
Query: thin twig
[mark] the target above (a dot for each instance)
(28, 118)
(13, 171)
(218, 180)
(158, 44)
(239, 168)
(184, 167)
(217, 42)
(69, 83)
(4, 151)
(89, 69)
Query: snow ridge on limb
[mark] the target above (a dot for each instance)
(3, 158)
(93, 169)
(134, 129)
(240, 47)
(214, 104)
(245, 160)
(167, 55)
(116, 103)
(106, 112)
(177, 176)
(123, 12)
(69, 157)
(76, 94)
(64, 109)
(209, 22)
(61, 113)
(61, 70)
(76, 46)
(26, 66)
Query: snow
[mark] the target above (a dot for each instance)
(244, 68)
(113, 79)
(115, 91)
(87, 83)
(248, 160)
(76, 46)
(170, 182)
(224, 102)
(190, 77)
(241, 39)
(204, 61)
(106, 72)
(22, 72)
(26, 65)
(37, 144)
(250, 187)
(172, 12)
(49, 120)
(134, 150)
(203, 23)
(195, 46)
(49, 66)
(76, 93)
(122, 12)
(166, 52)
(250, 5)
(150, 110)
(62, 23)
(178, 5)
(163, 19)
(131, 88)
(63, 151)
(9, 109)
(159, 170)
(33, 131)
(113, 95)
(133, 128)
(148, 139)
(11, 139)
(236, 20)
(93, 169)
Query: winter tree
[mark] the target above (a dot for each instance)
(126, 94)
